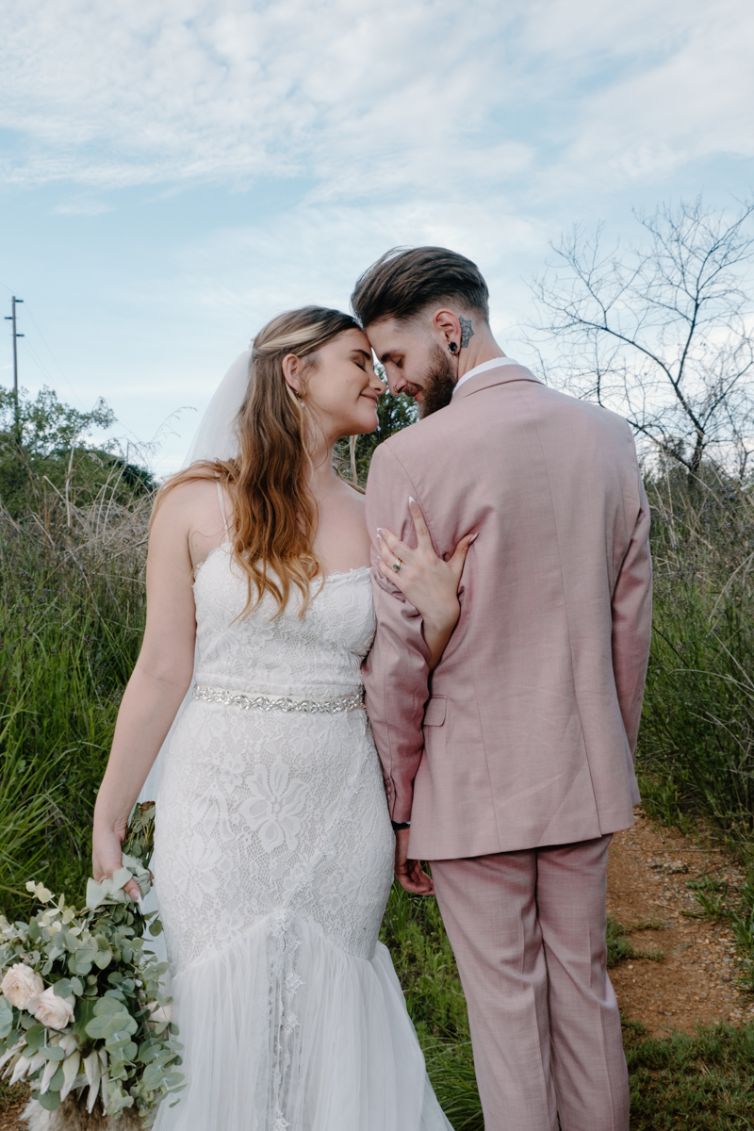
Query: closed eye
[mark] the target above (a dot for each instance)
(362, 359)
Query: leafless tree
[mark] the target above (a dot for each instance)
(662, 332)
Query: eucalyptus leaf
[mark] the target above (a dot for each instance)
(50, 1101)
(103, 958)
(35, 1037)
(123, 1025)
(39, 891)
(57, 1081)
(6, 1017)
(84, 1014)
(100, 1028)
(53, 1052)
(81, 959)
(108, 1005)
(152, 1077)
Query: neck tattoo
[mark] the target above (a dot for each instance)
(467, 330)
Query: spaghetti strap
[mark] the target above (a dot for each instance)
(221, 503)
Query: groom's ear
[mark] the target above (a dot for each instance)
(447, 325)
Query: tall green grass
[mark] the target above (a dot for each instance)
(696, 748)
(71, 616)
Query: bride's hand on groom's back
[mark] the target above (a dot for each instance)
(426, 579)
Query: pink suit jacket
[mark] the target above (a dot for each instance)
(525, 733)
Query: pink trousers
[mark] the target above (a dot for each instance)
(528, 932)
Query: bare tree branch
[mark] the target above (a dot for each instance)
(661, 331)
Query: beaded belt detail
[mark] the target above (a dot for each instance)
(248, 702)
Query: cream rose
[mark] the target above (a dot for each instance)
(160, 1014)
(53, 1011)
(20, 985)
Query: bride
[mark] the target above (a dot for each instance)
(273, 847)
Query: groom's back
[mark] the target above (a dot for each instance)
(526, 729)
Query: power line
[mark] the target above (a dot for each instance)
(16, 335)
(61, 378)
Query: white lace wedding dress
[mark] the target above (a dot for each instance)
(273, 863)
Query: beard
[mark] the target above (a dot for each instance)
(439, 383)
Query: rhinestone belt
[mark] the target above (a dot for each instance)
(277, 702)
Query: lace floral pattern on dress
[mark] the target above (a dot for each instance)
(273, 864)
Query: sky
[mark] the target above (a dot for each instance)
(173, 174)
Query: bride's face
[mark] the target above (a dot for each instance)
(342, 389)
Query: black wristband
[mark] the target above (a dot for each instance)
(397, 825)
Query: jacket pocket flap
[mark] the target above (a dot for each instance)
(434, 714)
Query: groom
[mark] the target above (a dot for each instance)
(510, 766)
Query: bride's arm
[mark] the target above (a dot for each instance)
(428, 581)
(157, 685)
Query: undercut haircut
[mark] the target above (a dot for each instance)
(404, 281)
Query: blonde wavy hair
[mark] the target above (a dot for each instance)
(274, 511)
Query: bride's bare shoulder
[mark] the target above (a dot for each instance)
(188, 505)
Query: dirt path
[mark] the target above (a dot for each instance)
(696, 980)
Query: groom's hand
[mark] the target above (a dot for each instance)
(409, 873)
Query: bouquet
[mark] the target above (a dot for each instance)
(84, 1017)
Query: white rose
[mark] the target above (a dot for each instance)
(53, 1011)
(21, 984)
(160, 1014)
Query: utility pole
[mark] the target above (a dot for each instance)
(16, 412)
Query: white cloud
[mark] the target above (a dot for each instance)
(241, 276)
(370, 101)
(488, 127)
(194, 91)
(691, 102)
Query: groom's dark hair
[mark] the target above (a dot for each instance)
(405, 280)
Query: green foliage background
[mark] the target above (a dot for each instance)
(73, 529)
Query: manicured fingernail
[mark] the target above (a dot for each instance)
(380, 532)
(411, 499)
(474, 538)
